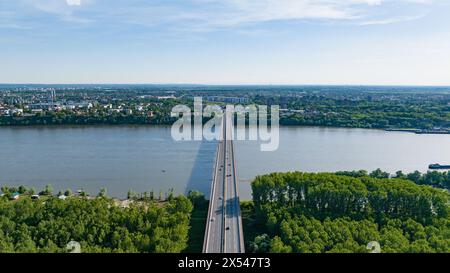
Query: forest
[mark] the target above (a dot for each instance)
(98, 224)
(436, 179)
(325, 212)
(290, 212)
(364, 109)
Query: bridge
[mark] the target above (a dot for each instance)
(224, 233)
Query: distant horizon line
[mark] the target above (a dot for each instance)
(240, 84)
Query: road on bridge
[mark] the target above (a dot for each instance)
(224, 233)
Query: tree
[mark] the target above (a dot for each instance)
(131, 194)
(48, 190)
(378, 173)
(152, 195)
(5, 189)
(415, 176)
(102, 193)
(170, 195)
(261, 244)
(400, 174)
(22, 189)
(32, 191)
(277, 246)
(197, 199)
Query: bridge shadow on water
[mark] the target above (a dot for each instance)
(201, 174)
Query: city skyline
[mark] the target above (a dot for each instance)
(354, 42)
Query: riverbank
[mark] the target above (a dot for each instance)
(420, 131)
(14, 194)
(166, 120)
(168, 124)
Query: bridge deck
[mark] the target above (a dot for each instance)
(224, 233)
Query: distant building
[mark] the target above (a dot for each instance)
(69, 107)
(44, 106)
(80, 193)
(227, 99)
(62, 197)
(111, 111)
(84, 105)
(166, 97)
(36, 111)
(77, 105)
(17, 111)
(11, 112)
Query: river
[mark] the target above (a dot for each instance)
(145, 158)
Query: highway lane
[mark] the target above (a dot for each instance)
(213, 242)
(224, 224)
(233, 222)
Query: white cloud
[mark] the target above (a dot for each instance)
(244, 11)
(207, 15)
(73, 2)
(392, 20)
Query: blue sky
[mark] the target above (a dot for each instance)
(385, 42)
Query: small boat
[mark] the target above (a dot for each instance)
(438, 167)
(163, 171)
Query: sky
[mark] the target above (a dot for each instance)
(348, 42)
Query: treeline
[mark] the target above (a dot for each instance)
(321, 119)
(367, 120)
(430, 178)
(364, 110)
(72, 119)
(302, 234)
(97, 224)
(308, 212)
(68, 118)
